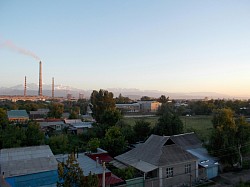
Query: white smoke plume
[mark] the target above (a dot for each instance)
(13, 47)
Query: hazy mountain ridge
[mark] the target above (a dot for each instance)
(133, 93)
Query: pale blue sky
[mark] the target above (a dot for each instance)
(173, 46)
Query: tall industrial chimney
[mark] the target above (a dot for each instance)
(40, 91)
(25, 87)
(53, 88)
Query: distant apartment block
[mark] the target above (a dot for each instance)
(149, 106)
(140, 106)
(131, 107)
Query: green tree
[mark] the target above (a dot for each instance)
(142, 130)
(56, 110)
(58, 144)
(114, 142)
(146, 98)
(91, 180)
(127, 131)
(100, 102)
(93, 144)
(110, 117)
(169, 122)
(70, 174)
(33, 134)
(228, 136)
(122, 100)
(3, 119)
(13, 136)
(163, 99)
(126, 173)
(75, 111)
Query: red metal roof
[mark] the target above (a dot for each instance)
(110, 179)
(103, 157)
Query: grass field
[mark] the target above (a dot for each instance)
(202, 125)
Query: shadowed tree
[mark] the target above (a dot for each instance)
(114, 142)
(33, 134)
(142, 130)
(3, 119)
(169, 122)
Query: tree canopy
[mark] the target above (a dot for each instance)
(56, 110)
(3, 119)
(100, 102)
(142, 130)
(71, 174)
(169, 122)
(114, 142)
(228, 136)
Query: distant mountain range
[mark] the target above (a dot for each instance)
(62, 91)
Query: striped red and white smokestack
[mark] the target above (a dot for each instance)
(53, 88)
(40, 91)
(25, 86)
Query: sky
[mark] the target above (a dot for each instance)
(168, 45)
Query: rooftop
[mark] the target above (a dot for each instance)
(17, 114)
(27, 160)
(156, 151)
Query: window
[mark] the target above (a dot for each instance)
(169, 172)
(188, 168)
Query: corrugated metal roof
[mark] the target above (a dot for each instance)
(187, 140)
(17, 114)
(82, 125)
(27, 160)
(103, 157)
(87, 164)
(71, 121)
(153, 153)
(109, 180)
(46, 124)
(205, 160)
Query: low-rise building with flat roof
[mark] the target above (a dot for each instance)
(18, 116)
(29, 166)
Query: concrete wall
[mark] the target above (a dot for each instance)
(179, 176)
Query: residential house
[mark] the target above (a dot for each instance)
(95, 167)
(51, 125)
(29, 166)
(18, 116)
(76, 126)
(162, 162)
(39, 114)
